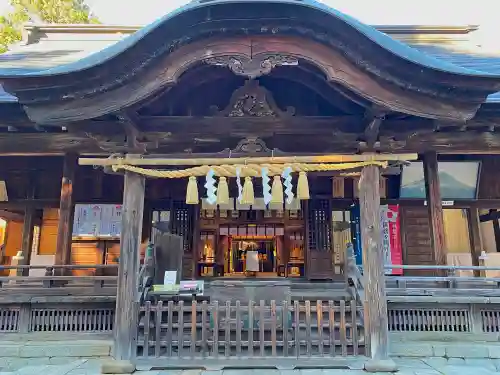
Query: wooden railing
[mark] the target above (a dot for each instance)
(453, 304)
(55, 276)
(251, 329)
(459, 304)
(453, 286)
(402, 283)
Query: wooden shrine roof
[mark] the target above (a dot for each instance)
(336, 84)
(50, 46)
(370, 48)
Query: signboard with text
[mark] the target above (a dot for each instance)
(97, 220)
(390, 237)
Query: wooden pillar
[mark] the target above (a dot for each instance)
(375, 304)
(195, 241)
(307, 234)
(130, 241)
(65, 225)
(435, 208)
(475, 239)
(27, 239)
(28, 228)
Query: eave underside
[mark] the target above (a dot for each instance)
(181, 135)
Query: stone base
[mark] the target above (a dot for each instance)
(381, 365)
(117, 367)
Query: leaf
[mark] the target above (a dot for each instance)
(47, 11)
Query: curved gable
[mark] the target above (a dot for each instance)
(375, 54)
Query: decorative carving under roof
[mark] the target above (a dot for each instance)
(252, 100)
(252, 67)
(250, 146)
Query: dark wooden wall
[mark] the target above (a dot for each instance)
(489, 182)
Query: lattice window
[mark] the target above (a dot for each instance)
(9, 320)
(72, 320)
(429, 320)
(319, 220)
(490, 320)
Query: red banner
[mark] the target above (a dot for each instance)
(395, 237)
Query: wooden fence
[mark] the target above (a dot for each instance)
(235, 329)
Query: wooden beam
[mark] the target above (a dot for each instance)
(187, 125)
(8, 215)
(306, 135)
(130, 240)
(166, 161)
(375, 304)
(435, 208)
(65, 225)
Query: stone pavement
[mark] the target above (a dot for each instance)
(408, 366)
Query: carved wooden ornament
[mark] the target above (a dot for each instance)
(250, 146)
(252, 100)
(252, 68)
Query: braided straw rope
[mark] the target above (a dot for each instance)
(250, 170)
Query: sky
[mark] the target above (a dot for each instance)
(382, 12)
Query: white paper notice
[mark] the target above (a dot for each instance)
(170, 278)
(252, 261)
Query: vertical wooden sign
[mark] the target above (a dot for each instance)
(338, 187)
(383, 187)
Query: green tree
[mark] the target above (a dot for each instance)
(47, 11)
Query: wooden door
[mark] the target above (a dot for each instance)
(417, 245)
(319, 264)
